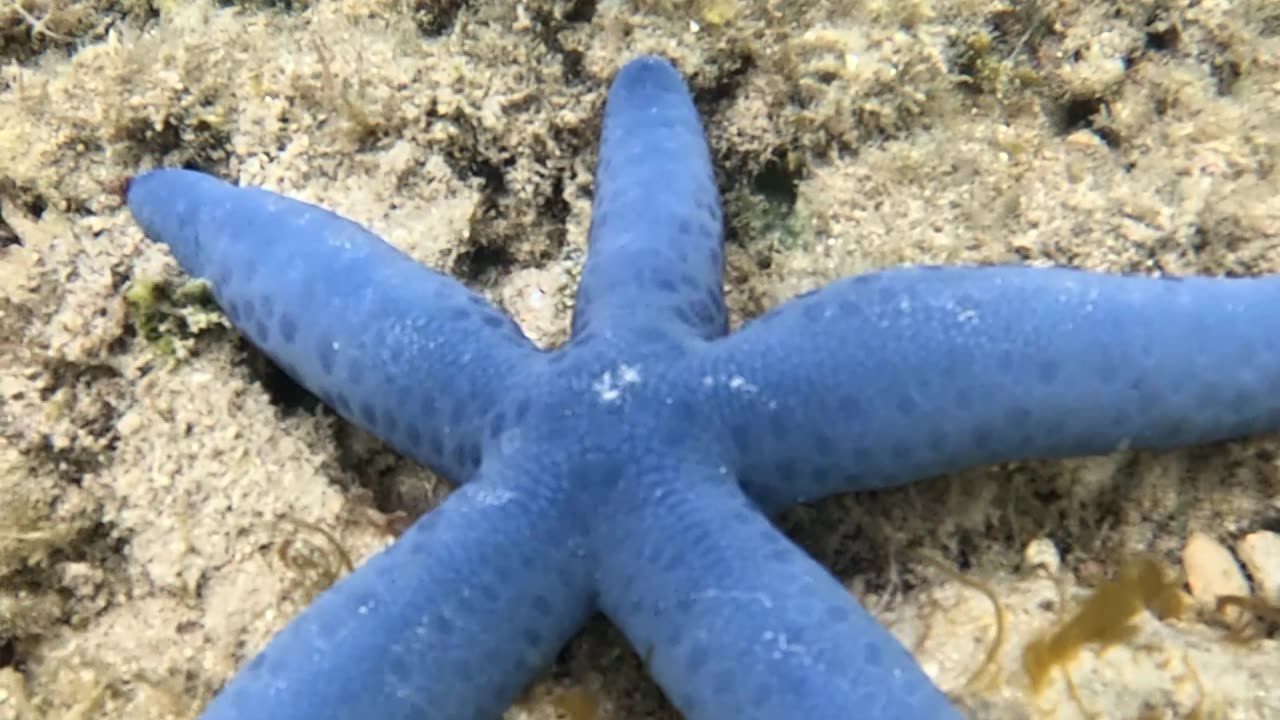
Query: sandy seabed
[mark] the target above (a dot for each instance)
(166, 497)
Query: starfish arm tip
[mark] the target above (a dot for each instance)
(453, 620)
(354, 320)
(734, 620)
(885, 378)
(656, 236)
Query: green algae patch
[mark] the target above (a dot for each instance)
(170, 317)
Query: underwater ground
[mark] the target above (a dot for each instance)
(168, 499)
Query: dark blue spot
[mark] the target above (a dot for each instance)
(873, 654)
(819, 476)
(487, 592)
(741, 434)
(288, 328)
(779, 556)
(541, 605)
(1048, 371)
(521, 411)
(715, 298)
(442, 625)
(342, 404)
(722, 682)
(982, 439)
(672, 561)
(697, 659)
(369, 414)
(907, 405)
(222, 278)
(778, 427)
(813, 311)
(938, 439)
(327, 355)
(1018, 416)
(249, 270)
(784, 470)
(823, 443)
(705, 313)
(532, 637)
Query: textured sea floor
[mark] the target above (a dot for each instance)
(168, 500)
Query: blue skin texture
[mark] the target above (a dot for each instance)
(634, 469)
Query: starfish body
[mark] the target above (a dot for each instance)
(633, 470)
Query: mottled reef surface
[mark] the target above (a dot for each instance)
(168, 499)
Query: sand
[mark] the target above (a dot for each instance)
(168, 499)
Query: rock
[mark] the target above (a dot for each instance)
(1260, 552)
(1041, 553)
(1212, 572)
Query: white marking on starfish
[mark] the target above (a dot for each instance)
(610, 385)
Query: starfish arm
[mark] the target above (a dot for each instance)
(885, 378)
(397, 348)
(735, 621)
(655, 254)
(450, 622)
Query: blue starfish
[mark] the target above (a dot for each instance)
(634, 469)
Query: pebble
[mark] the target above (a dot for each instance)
(1041, 553)
(1212, 571)
(531, 296)
(1260, 552)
